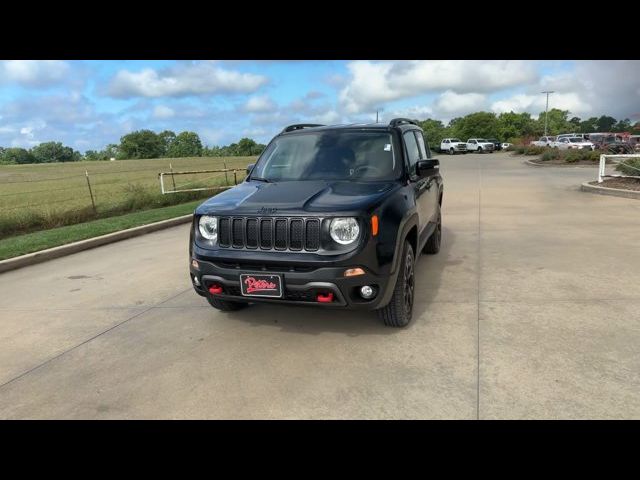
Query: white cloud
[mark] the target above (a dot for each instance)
(33, 72)
(374, 83)
(453, 104)
(417, 112)
(327, 118)
(260, 103)
(182, 80)
(535, 104)
(163, 112)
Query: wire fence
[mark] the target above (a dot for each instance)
(100, 189)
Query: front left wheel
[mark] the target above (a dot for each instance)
(397, 313)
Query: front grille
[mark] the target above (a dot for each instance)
(271, 233)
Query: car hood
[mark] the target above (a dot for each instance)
(296, 197)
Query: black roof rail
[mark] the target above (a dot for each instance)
(300, 126)
(399, 121)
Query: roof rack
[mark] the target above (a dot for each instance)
(399, 121)
(300, 126)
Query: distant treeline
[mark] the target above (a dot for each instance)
(518, 127)
(507, 127)
(139, 144)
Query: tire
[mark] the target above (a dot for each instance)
(226, 305)
(433, 244)
(452, 151)
(479, 150)
(397, 313)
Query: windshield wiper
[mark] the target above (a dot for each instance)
(260, 179)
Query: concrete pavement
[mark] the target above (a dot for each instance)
(531, 310)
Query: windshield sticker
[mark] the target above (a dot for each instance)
(387, 147)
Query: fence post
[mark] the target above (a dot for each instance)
(93, 203)
(226, 179)
(172, 178)
(601, 167)
(235, 178)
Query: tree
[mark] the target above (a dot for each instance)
(434, 131)
(589, 125)
(558, 122)
(52, 152)
(141, 144)
(479, 124)
(511, 126)
(622, 126)
(186, 144)
(167, 137)
(606, 123)
(16, 156)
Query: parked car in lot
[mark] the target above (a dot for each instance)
(329, 216)
(497, 145)
(452, 146)
(544, 141)
(479, 145)
(614, 143)
(506, 145)
(634, 140)
(574, 143)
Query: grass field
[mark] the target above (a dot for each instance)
(34, 242)
(42, 196)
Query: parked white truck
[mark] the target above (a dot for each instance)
(544, 142)
(452, 146)
(479, 145)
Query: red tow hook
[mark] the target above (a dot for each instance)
(324, 297)
(215, 289)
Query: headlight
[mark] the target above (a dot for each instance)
(209, 227)
(344, 230)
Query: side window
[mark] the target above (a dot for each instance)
(413, 152)
(424, 148)
(446, 141)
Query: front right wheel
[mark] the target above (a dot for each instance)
(397, 313)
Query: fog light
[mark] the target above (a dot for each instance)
(196, 282)
(367, 292)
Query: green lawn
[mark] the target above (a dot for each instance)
(33, 242)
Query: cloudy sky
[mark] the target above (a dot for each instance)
(88, 104)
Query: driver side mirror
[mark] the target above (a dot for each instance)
(250, 167)
(424, 168)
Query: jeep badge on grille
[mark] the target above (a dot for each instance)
(267, 210)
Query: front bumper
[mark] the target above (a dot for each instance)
(300, 285)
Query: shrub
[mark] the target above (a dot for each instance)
(550, 155)
(533, 150)
(629, 166)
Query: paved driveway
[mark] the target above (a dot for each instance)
(531, 310)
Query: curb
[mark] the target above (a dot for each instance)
(550, 165)
(614, 192)
(63, 250)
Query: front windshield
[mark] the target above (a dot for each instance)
(329, 155)
(576, 140)
(455, 140)
(482, 140)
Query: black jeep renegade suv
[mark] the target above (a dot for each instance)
(332, 216)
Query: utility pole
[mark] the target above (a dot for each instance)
(376, 116)
(546, 110)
